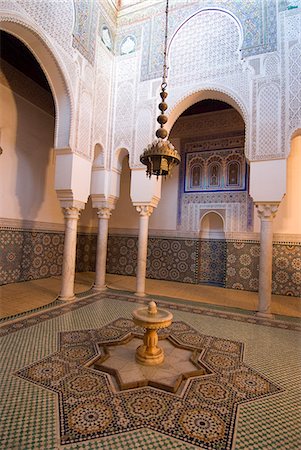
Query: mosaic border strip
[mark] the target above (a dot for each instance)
(55, 302)
(22, 323)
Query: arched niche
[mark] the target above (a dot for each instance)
(28, 128)
(216, 93)
(212, 225)
(119, 156)
(52, 67)
(98, 159)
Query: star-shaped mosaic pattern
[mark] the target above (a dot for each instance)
(202, 413)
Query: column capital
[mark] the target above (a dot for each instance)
(144, 210)
(71, 212)
(267, 211)
(104, 212)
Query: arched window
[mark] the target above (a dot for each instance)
(233, 177)
(214, 175)
(195, 176)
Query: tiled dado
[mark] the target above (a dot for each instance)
(243, 267)
(167, 259)
(27, 255)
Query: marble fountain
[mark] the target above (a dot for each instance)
(142, 358)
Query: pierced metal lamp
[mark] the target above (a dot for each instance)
(160, 156)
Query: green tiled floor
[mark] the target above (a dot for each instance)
(29, 412)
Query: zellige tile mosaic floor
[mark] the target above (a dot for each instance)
(250, 401)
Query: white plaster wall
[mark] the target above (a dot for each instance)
(124, 216)
(27, 163)
(288, 218)
(164, 216)
(88, 217)
(27, 166)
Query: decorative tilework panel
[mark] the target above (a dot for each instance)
(204, 414)
(86, 252)
(167, 259)
(242, 265)
(287, 269)
(172, 259)
(122, 255)
(271, 422)
(28, 255)
(212, 262)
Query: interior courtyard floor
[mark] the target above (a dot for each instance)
(245, 394)
(16, 298)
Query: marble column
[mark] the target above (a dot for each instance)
(103, 214)
(145, 212)
(71, 215)
(266, 213)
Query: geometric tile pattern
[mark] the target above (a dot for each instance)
(234, 264)
(122, 255)
(28, 255)
(86, 252)
(167, 259)
(242, 265)
(203, 415)
(29, 412)
(172, 259)
(212, 262)
(287, 270)
(11, 325)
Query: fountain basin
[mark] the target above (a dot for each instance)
(152, 319)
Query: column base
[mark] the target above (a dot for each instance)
(140, 294)
(265, 315)
(100, 288)
(66, 299)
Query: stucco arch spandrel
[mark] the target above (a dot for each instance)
(206, 9)
(179, 104)
(40, 46)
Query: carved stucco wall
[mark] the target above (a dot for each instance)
(125, 99)
(102, 98)
(291, 69)
(71, 29)
(206, 54)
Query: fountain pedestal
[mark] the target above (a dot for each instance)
(152, 319)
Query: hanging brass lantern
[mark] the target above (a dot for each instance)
(160, 156)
